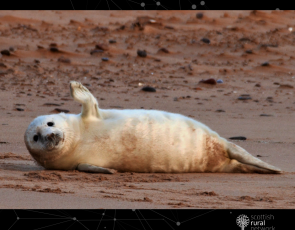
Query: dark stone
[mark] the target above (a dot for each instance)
(104, 59)
(265, 64)
(210, 81)
(199, 15)
(148, 89)
(141, 53)
(54, 49)
(238, 138)
(5, 52)
(205, 40)
(96, 51)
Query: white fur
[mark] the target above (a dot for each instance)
(132, 140)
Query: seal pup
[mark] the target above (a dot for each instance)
(109, 140)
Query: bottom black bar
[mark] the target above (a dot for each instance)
(145, 219)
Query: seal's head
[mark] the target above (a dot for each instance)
(45, 138)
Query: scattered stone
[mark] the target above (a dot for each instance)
(148, 89)
(245, 39)
(64, 60)
(175, 99)
(286, 86)
(244, 97)
(276, 83)
(249, 51)
(37, 61)
(258, 156)
(210, 81)
(57, 110)
(11, 48)
(199, 15)
(238, 138)
(102, 46)
(95, 51)
(19, 109)
(5, 52)
(257, 85)
(219, 81)
(169, 27)
(111, 41)
(163, 50)
(205, 40)
(265, 115)
(104, 59)
(265, 64)
(51, 104)
(141, 53)
(54, 49)
(220, 111)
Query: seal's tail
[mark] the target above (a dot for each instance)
(242, 161)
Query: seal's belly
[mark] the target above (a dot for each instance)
(161, 142)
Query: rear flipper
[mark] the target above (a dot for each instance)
(94, 169)
(244, 162)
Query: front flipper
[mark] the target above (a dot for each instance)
(95, 169)
(89, 104)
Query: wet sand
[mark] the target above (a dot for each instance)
(252, 52)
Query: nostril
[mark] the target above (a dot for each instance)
(50, 124)
(36, 138)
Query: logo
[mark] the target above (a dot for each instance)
(242, 221)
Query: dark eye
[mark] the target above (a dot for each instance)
(36, 138)
(50, 124)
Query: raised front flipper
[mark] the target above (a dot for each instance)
(89, 103)
(95, 169)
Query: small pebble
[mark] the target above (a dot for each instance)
(199, 15)
(219, 81)
(64, 60)
(210, 81)
(205, 40)
(101, 47)
(112, 41)
(265, 64)
(54, 49)
(175, 99)
(19, 109)
(104, 59)
(244, 97)
(11, 48)
(164, 50)
(141, 53)
(257, 85)
(220, 111)
(265, 115)
(249, 51)
(5, 52)
(96, 51)
(148, 89)
(238, 138)
(51, 104)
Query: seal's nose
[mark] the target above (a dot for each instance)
(50, 136)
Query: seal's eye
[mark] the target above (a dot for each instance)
(50, 124)
(36, 138)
